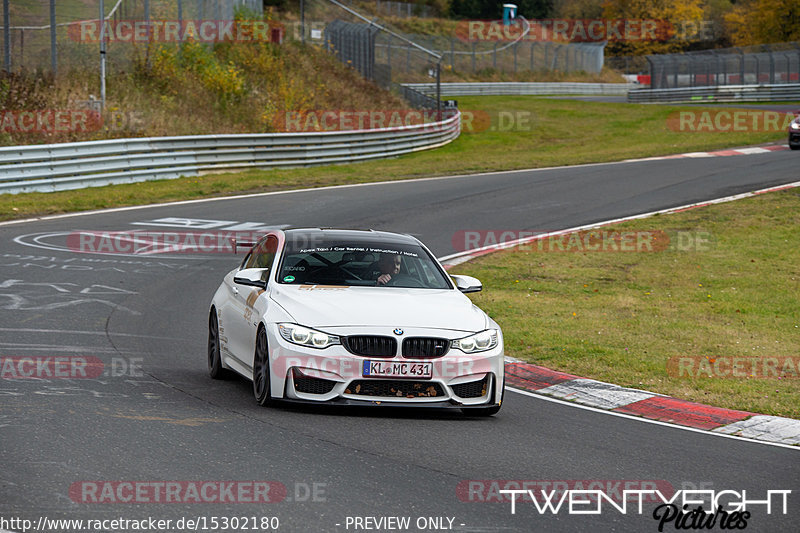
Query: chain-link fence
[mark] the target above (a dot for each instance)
(388, 56)
(354, 37)
(355, 45)
(502, 57)
(766, 64)
(412, 57)
(53, 35)
(628, 64)
(403, 9)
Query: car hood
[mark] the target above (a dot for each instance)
(324, 306)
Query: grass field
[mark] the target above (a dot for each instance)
(506, 133)
(621, 316)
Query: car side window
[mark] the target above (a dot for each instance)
(245, 260)
(262, 254)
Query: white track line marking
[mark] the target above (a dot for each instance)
(647, 420)
(461, 257)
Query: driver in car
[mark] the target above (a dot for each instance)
(388, 266)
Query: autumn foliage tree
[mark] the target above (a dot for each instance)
(763, 21)
(680, 24)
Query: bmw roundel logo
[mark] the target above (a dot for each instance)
(398, 331)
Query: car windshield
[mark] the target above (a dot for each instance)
(357, 263)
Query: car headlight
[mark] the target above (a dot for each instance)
(796, 125)
(479, 342)
(304, 336)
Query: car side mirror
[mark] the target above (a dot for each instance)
(252, 277)
(467, 284)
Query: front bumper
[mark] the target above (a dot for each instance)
(333, 375)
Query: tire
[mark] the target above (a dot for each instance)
(794, 146)
(215, 369)
(261, 379)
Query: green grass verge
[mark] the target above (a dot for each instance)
(619, 317)
(553, 132)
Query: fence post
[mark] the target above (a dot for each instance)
(180, 20)
(102, 55)
(452, 54)
(473, 57)
(798, 63)
(408, 57)
(771, 67)
(532, 47)
(797, 46)
(6, 38)
(674, 72)
(438, 90)
(758, 69)
(147, 25)
(53, 60)
(515, 56)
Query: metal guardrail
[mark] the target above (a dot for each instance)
(524, 88)
(418, 99)
(721, 93)
(55, 167)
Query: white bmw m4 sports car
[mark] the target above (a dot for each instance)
(354, 317)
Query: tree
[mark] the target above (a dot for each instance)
(678, 23)
(763, 21)
(578, 9)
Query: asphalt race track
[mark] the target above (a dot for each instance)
(157, 417)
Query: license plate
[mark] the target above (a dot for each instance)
(392, 369)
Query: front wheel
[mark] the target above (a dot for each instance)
(261, 381)
(215, 369)
(794, 146)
